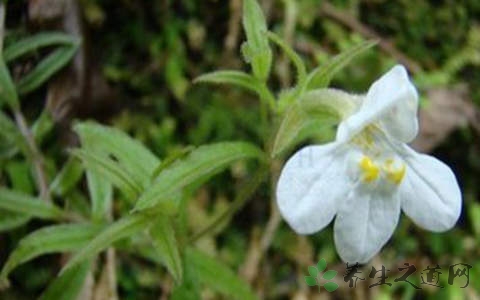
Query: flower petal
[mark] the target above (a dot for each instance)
(430, 193)
(393, 101)
(312, 183)
(364, 223)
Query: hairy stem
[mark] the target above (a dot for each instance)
(245, 194)
(34, 154)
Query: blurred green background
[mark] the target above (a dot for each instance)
(138, 61)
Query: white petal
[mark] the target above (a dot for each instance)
(430, 193)
(393, 101)
(364, 223)
(312, 183)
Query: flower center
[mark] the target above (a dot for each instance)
(392, 170)
(377, 160)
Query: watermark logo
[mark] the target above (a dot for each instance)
(458, 275)
(316, 280)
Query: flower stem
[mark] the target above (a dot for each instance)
(242, 197)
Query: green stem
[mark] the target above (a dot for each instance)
(267, 97)
(242, 197)
(292, 55)
(34, 155)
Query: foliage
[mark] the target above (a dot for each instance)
(180, 183)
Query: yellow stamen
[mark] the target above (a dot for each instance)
(369, 169)
(395, 175)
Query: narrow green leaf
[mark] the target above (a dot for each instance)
(321, 265)
(329, 274)
(7, 126)
(163, 238)
(132, 155)
(42, 126)
(312, 271)
(171, 158)
(330, 286)
(22, 203)
(35, 42)
(111, 170)
(52, 239)
(202, 163)
(9, 220)
(67, 178)
(257, 50)
(68, 285)
(45, 69)
(217, 276)
(189, 289)
(122, 228)
(237, 78)
(310, 281)
(292, 55)
(8, 94)
(321, 76)
(255, 25)
(20, 176)
(101, 195)
(324, 107)
(10, 137)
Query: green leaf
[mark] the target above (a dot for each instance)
(8, 128)
(329, 275)
(330, 286)
(321, 76)
(35, 42)
(313, 271)
(292, 55)
(67, 178)
(200, 164)
(134, 157)
(101, 195)
(310, 281)
(20, 176)
(171, 158)
(45, 69)
(237, 78)
(68, 285)
(111, 170)
(254, 24)
(42, 126)
(9, 221)
(52, 239)
(321, 265)
(11, 139)
(217, 276)
(257, 50)
(322, 107)
(122, 228)
(163, 238)
(22, 203)
(8, 94)
(189, 289)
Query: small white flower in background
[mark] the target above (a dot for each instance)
(368, 175)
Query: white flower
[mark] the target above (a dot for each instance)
(368, 174)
